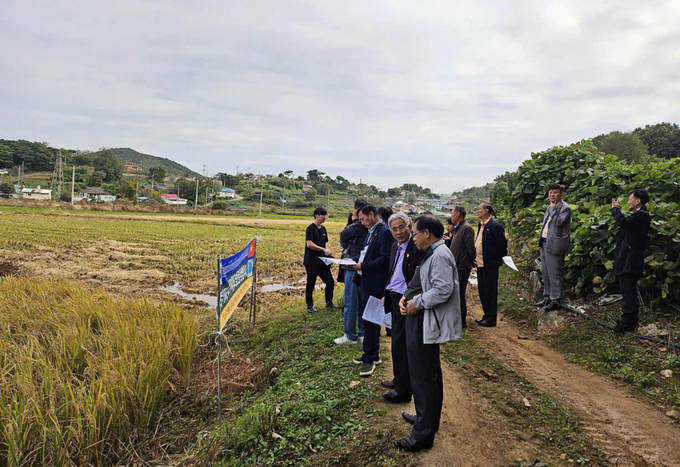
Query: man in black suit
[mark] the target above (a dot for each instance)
(404, 259)
(490, 246)
(630, 258)
(373, 270)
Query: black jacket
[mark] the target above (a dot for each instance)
(375, 268)
(354, 236)
(494, 243)
(632, 241)
(408, 267)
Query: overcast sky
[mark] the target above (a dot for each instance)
(447, 94)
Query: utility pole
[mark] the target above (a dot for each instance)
(152, 175)
(57, 177)
(196, 202)
(73, 184)
(261, 191)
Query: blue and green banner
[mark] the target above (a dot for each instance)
(236, 279)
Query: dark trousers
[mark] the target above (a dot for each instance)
(324, 272)
(487, 283)
(628, 285)
(402, 380)
(371, 333)
(463, 276)
(426, 380)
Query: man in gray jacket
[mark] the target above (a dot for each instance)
(555, 242)
(432, 308)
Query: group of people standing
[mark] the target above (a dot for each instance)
(421, 273)
(421, 281)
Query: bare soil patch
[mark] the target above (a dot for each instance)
(471, 432)
(629, 431)
(9, 269)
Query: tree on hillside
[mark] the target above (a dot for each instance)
(5, 156)
(288, 173)
(662, 139)
(393, 192)
(83, 158)
(127, 188)
(157, 173)
(410, 197)
(323, 189)
(106, 161)
(7, 188)
(228, 181)
(625, 146)
(315, 175)
(310, 195)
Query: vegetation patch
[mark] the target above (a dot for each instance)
(83, 376)
(312, 411)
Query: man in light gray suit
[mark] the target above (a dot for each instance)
(555, 243)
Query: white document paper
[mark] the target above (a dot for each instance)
(509, 262)
(375, 313)
(341, 262)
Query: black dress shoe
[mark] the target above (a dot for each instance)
(621, 328)
(410, 444)
(483, 318)
(552, 306)
(487, 323)
(387, 384)
(394, 396)
(543, 302)
(408, 417)
(332, 305)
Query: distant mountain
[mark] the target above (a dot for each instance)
(130, 156)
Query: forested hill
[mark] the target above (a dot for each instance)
(130, 156)
(41, 156)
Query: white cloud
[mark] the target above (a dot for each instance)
(442, 93)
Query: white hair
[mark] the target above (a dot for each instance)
(399, 215)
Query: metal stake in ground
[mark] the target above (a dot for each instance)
(219, 345)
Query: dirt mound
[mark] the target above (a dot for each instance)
(9, 269)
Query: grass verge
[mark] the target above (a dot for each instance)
(311, 412)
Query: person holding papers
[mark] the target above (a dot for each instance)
(316, 239)
(352, 238)
(404, 259)
(373, 270)
(431, 306)
(491, 246)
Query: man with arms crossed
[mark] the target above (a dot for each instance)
(463, 249)
(432, 308)
(404, 259)
(555, 242)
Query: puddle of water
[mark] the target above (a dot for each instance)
(279, 288)
(176, 289)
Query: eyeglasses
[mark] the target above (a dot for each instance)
(416, 232)
(401, 228)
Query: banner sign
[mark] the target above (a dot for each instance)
(236, 278)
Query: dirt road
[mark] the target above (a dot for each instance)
(630, 432)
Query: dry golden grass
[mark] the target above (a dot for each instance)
(83, 375)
